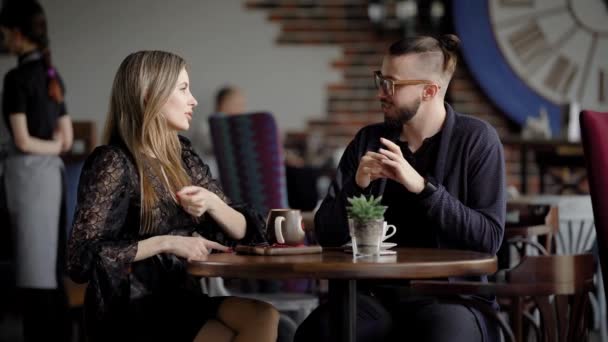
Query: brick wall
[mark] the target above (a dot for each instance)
(352, 103)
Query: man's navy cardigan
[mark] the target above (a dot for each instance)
(467, 210)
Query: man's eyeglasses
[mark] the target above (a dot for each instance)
(387, 85)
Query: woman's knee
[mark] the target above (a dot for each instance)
(214, 331)
(266, 312)
(248, 311)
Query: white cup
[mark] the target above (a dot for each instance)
(385, 230)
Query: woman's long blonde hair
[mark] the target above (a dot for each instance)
(143, 83)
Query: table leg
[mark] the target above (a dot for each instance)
(343, 302)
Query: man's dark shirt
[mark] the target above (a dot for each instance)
(411, 223)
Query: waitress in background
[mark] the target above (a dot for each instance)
(35, 113)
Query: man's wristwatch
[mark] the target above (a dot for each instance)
(429, 188)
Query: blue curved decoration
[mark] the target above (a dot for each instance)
(491, 70)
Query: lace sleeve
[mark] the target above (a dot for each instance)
(202, 177)
(97, 246)
(199, 171)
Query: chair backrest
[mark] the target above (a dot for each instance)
(521, 214)
(530, 219)
(85, 140)
(594, 133)
(250, 159)
(542, 270)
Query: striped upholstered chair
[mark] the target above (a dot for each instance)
(250, 159)
(252, 170)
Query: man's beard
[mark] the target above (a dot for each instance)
(404, 115)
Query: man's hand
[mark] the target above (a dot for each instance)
(395, 167)
(370, 169)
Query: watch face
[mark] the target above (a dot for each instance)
(530, 55)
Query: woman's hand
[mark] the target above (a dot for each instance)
(196, 200)
(191, 248)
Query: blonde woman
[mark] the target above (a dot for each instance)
(146, 205)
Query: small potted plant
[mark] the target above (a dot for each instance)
(364, 209)
(365, 221)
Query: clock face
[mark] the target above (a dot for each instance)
(557, 47)
(533, 55)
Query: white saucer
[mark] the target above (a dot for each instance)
(384, 245)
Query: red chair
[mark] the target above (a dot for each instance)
(594, 133)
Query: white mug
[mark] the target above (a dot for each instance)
(385, 230)
(284, 226)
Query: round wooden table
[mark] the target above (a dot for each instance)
(343, 270)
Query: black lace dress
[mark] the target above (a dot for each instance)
(153, 298)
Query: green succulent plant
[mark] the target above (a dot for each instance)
(363, 209)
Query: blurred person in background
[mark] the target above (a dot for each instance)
(228, 100)
(35, 114)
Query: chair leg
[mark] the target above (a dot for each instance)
(547, 318)
(77, 316)
(577, 330)
(532, 323)
(561, 312)
(515, 316)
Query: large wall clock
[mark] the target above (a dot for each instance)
(533, 54)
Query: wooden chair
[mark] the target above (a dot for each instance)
(576, 235)
(85, 140)
(558, 284)
(531, 225)
(530, 229)
(75, 294)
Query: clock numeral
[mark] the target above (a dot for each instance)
(530, 45)
(587, 67)
(602, 87)
(517, 3)
(531, 15)
(561, 75)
